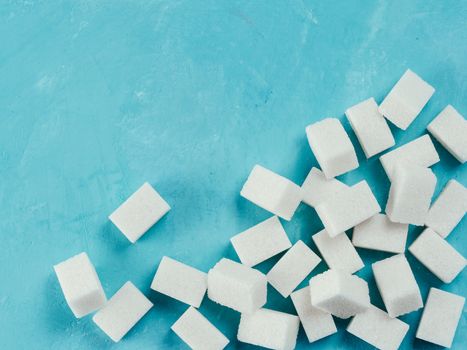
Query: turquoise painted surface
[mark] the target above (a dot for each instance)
(98, 97)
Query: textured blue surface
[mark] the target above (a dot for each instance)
(98, 97)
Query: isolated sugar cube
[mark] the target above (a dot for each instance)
(437, 255)
(80, 285)
(347, 208)
(237, 286)
(380, 233)
(180, 281)
(406, 100)
(397, 285)
(197, 332)
(448, 209)
(375, 327)
(269, 329)
(339, 293)
(317, 188)
(272, 192)
(122, 311)
(292, 268)
(139, 212)
(450, 129)
(338, 252)
(371, 128)
(332, 147)
(440, 317)
(316, 323)
(410, 194)
(261, 242)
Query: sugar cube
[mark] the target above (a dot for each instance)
(406, 100)
(371, 128)
(261, 242)
(272, 192)
(180, 281)
(316, 188)
(332, 147)
(270, 329)
(397, 285)
(338, 252)
(122, 311)
(440, 317)
(197, 332)
(292, 268)
(237, 286)
(347, 208)
(139, 212)
(80, 285)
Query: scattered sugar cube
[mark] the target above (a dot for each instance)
(420, 151)
(371, 128)
(316, 323)
(180, 281)
(317, 188)
(410, 194)
(237, 286)
(348, 208)
(380, 233)
(80, 285)
(292, 268)
(375, 327)
(437, 255)
(197, 332)
(270, 329)
(339, 293)
(406, 100)
(338, 252)
(440, 317)
(448, 209)
(139, 212)
(272, 192)
(397, 285)
(450, 128)
(261, 242)
(122, 311)
(332, 147)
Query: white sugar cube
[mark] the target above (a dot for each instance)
(272, 192)
(448, 209)
(410, 194)
(397, 285)
(316, 323)
(237, 286)
(292, 268)
(80, 285)
(406, 100)
(122, 311)
(450, 128)
(371, 128)
(375, 327)
(338, 252)
(339, 293)
(440, 317)
(332, 147)
(261, 242)
(420, 151)
(270, 329)
(347, 208)
(317, 188)
(380, 233)
(437, 255)
(180, 281)
(139, 212)
(197, 332)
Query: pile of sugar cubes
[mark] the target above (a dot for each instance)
(337, 292)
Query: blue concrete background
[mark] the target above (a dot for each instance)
(98, 97)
